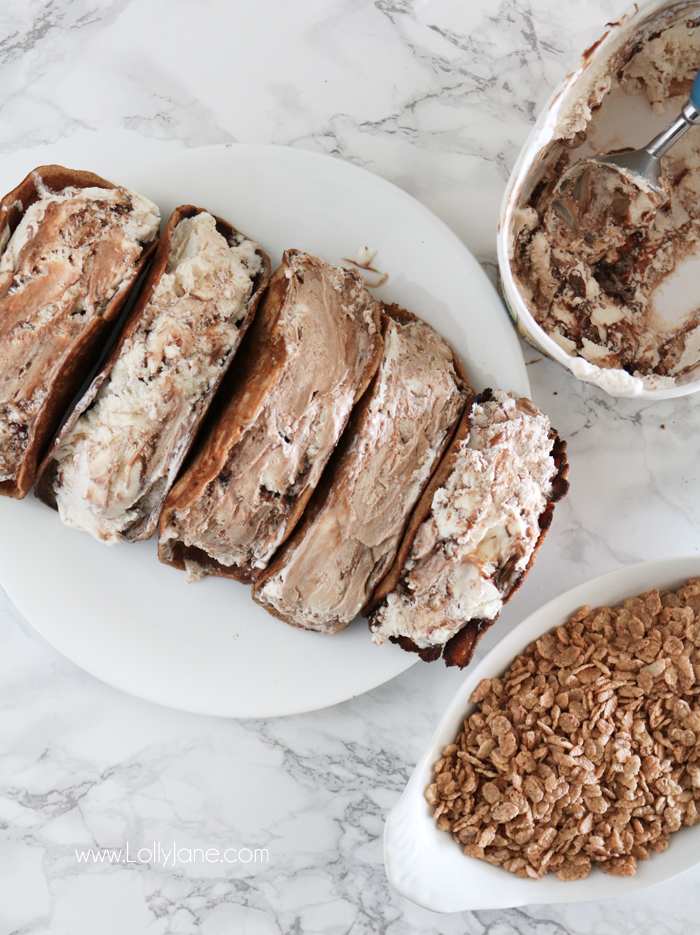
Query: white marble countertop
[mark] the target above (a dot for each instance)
(438, 97)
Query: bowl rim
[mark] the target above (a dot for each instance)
(539, 137)
(426, 865)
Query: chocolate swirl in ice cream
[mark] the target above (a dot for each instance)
(67, 266)
(331, 566)
(118, 455)
(312, 351)
(590, 263)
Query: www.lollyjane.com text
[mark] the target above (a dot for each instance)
(172, 855)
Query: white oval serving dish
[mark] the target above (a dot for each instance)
(632, 123)
(428, 867)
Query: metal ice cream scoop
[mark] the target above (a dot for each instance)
(645, 164)
(641, 166)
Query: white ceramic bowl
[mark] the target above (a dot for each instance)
(632, 124)
(428, 866)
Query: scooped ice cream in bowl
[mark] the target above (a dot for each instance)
(596, 208)
(600, 255)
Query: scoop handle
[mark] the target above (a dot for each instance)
(689, 117)
(695, 92)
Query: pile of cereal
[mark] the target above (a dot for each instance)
(587, 751)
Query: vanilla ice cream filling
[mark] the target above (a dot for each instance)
(327, 328)
(482, 528)
(330, 573)
(121, 456)
(138, 225)
(593, 286)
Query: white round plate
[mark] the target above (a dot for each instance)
(428, 866)
(136, 624)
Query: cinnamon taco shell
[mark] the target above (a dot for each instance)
(310, 355)
(459, 649)
(149, 503)
(341, 494)
(59, 355)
